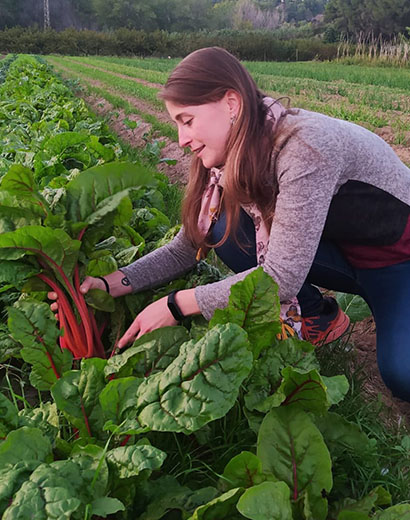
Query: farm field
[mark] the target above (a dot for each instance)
(375, 97)
(204, 421)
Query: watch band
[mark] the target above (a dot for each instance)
(107, 287)
(173, 307)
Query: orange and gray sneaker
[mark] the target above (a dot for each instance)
(327, 326)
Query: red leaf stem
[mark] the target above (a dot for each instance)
(87, 424)
(77, 297)
(74, 340)
(83, 311)
(298, 388)
(52, 365)
(98, 346)
(125, 440)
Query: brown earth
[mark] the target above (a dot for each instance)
(363, 339)
(402, 150)
(363, 336)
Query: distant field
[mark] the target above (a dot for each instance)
(375, 97)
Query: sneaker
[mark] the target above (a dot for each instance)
(327, 326)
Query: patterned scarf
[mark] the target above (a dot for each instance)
(210, 204)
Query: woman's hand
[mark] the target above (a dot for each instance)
(89, 283)
(158, 315)
(153, 317)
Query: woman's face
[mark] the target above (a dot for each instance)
(205, 128)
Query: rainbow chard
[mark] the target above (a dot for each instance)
(50, 241)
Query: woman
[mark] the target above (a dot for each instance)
(313, 199)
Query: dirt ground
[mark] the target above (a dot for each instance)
(363, 336)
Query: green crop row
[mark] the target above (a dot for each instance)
(375, 107)
(149, 75)
(133, 88)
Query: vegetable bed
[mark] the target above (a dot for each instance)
(217, 420)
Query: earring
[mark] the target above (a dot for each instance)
(233, 119)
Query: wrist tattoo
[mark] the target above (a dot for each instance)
(125, 281)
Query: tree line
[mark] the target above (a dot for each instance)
(348, 17)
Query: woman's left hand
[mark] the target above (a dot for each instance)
(153, 317)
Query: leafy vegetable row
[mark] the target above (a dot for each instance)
(98, 440)
(171, 382)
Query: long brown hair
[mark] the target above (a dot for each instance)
(205, 76)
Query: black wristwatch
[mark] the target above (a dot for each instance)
(173, 307)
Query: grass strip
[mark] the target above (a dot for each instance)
(152, 76)
(325, 71)
(148, 94)
(156, 64)
(379, 98)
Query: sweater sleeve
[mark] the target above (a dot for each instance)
(308, 178)
(162, 265)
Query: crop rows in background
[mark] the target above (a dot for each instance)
(375, 97)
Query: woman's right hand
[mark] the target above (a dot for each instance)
(89, 283)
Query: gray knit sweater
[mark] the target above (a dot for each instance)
(321, 155)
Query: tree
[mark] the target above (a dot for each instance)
(384, 17)
(135, 14)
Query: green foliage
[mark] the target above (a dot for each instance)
(120, 436)
(246, 44)
(261, 322)
(371, 17)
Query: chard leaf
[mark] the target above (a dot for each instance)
(220, 508)
(244, 470)
(104, 506)
(293, 450)
(24, 445)
(118, 403)
(53, 491)
(151, 223)
(33, 501)
(399, 512)
(8, 416)
(267, 373)
(377, 497)
(336, 388)
(304, 390)
(33, 325)
(14, 218)
(44, 417)
(77, 395)
(47, 243)
(94, 468)
(151, 353)
(101, 266)
(200, 385)
(100, 300)
(19, 181)
(341, 436)
(354, 306)
(91, 189)
(11, 479)
(165, 494)
(129, 461)
(254, 306)
(266, 501)
(15, 273)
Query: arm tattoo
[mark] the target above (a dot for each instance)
(125, 281)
